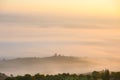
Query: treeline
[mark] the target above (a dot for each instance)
(95, 75)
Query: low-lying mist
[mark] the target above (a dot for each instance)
(57, 64)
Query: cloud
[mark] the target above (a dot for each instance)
(46, 21)
(38, 35)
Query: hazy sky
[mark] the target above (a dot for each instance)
(106, 8)
(69, 27)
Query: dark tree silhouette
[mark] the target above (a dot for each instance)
(95, 75)
(106, 75)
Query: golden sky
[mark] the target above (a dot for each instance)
(73, 27)
(104, 8)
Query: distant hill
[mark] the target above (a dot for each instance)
(53, 65)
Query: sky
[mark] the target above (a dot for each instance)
(39, 28)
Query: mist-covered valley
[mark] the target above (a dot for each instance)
(57, 64)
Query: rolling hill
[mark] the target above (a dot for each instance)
(55, 64)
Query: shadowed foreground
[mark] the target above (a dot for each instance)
(95, 75)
